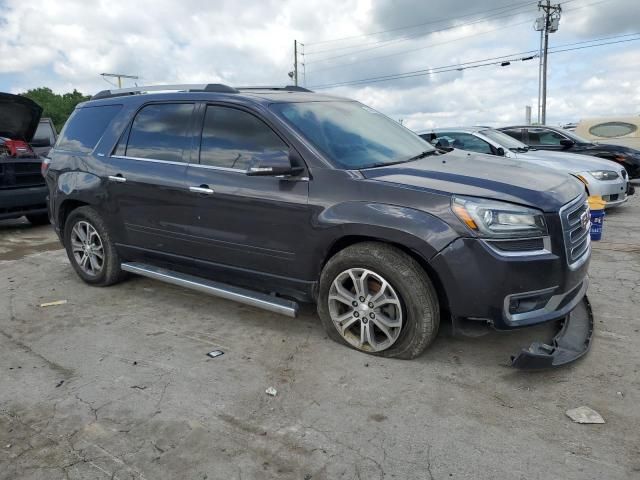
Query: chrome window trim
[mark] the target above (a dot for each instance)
(546, 242)
(213, 167)
(154, 160)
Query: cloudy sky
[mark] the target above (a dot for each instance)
(66, 44)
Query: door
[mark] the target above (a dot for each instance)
(146, 178)
(256, 223)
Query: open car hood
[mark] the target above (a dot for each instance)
(19, 117)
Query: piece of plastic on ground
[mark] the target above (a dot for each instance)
(53, 304)
(271, 391)
(584, 415)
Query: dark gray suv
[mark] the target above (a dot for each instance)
(274, 196)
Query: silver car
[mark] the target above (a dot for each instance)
(601, 177)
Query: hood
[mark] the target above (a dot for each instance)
(610, 147)
(486, 176)
(569, 162)
(19, 117)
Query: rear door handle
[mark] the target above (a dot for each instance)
(202, 189)
(117, 178)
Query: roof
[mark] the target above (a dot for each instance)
(265, 95)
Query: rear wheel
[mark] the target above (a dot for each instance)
(90, 248)
(38, 219)
(377, 299)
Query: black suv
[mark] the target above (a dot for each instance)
(273, 196)
(543, 137)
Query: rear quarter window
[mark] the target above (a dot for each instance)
(85, 128)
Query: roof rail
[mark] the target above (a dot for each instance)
(288, 88)
(205, 87)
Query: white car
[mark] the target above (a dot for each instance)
(601, 177)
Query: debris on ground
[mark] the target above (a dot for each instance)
(584, 415)
(271, 391)
(53, 304)
(215, 353)
(60, 383)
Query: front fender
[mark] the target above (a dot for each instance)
(417, 230)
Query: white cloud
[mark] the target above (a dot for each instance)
(66, 44)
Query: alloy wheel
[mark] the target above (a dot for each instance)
(365, 309)
(87, 248)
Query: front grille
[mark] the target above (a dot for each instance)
(576, 226)
(20, 174)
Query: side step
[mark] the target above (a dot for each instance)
(229, 292)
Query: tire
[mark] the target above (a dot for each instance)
(408, 298)
(109, 271)
(38, 219)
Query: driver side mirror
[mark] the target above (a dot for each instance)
(274, 164)
(566, 143)
(500, 151)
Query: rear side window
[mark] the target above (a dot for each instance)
(231, 138)
(85, 128)
(612, 129)
(161, 132)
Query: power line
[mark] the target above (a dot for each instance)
(386, 43)
(476, 64)
(378, 57)
(406, 27)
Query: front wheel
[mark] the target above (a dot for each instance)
(377, 299)
(90, 248)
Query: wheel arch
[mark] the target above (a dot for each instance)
(348, 240)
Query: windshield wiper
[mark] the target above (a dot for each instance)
(519, 149)
(426, 153)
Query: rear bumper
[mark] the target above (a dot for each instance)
(572, 341)
(17, 202)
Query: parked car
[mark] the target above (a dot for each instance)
(276, 196)
(559, 140)
(600, 177)
(44, 138)
(22, 187)
(623, 131)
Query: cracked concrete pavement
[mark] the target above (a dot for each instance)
(116, 384)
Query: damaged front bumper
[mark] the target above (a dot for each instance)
(572, 341)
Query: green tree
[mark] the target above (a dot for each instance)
(56, 107)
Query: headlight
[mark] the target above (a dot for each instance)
(494, 219)
(604, 174)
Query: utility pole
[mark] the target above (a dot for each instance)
(295, 62)
(550, 23)
(120, 76)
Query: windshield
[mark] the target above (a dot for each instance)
(504, 140)
(351, 135)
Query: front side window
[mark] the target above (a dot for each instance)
(231, 138)
(515, 133)
(85, 128)
(466, 141)
(351, 135)
(612, 129)
(539, 136)
(161, 132)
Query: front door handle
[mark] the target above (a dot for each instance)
(202, 189)
(117, 178)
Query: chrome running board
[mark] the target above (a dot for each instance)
(229, 292)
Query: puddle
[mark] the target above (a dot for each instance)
(18, 239)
